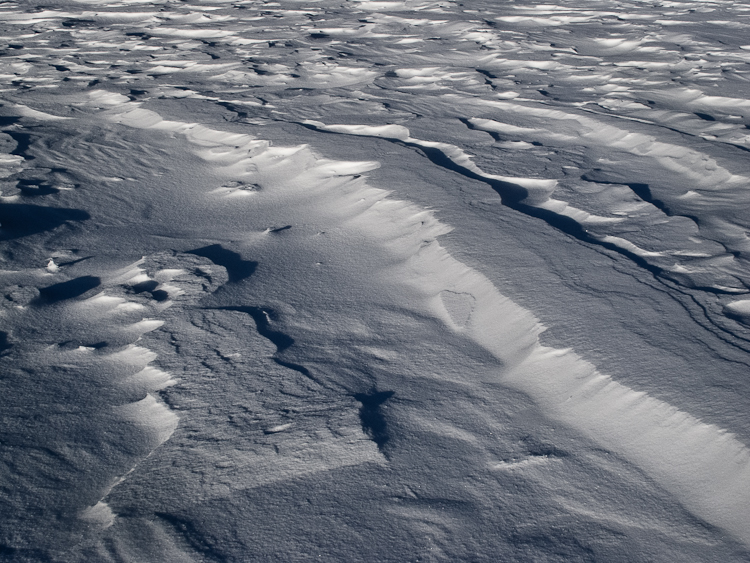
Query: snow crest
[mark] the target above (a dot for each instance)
(706, 467)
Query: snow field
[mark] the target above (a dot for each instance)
(380, 281)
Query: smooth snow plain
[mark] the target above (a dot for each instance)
(374, 281)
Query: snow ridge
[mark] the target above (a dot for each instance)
(85, 327)
(705, 466)
(353, 380)
(532, 196)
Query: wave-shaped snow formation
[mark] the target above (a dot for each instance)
(706, 467)
(374, 280)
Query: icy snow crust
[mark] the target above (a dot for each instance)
(374, 281)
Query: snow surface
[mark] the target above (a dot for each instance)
(374, 281)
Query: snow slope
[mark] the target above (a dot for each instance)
(374, 281)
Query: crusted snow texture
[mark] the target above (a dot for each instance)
(374, 281)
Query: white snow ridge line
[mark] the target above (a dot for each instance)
(704, 466)
(155, 420)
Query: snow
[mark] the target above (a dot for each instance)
(374, 281)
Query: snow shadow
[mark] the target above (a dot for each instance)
(4, 344)
(150, 286)
(20, 220)
(371, 415)
(35, 188)
(68, 290)
(23, 141)
(282, 341)
(237, 268)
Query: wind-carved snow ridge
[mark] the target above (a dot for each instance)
(532, 196)
(153, 283)
(86, 357)
(91, 339)
(349, 380)
(681, 181)
(704, 466)
(150, 415)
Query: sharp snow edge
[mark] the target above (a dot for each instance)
(150, 415)
(706, 467)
